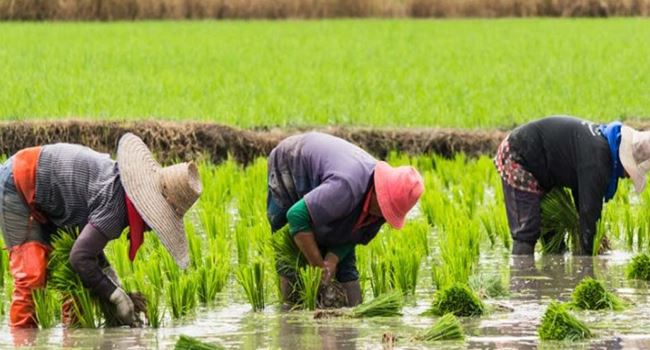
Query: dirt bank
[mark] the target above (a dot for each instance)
(172, 141)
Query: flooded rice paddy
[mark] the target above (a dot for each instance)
(512, 323)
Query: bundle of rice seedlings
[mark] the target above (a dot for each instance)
(251, 278)
(590, 294)
(385, 305)
(446, 328)
(189, 343)
(559, 324)
(639, 268)
(309, 279)
(559, 222)
(457, 299)
(491, 286)
(288, 258)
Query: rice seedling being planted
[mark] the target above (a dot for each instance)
(185, 342)
(251, 278)
(458, 299)
(447, 327)
(309, 279)
(590, 294)
(182, 295)
(639, 268)
(559, 324)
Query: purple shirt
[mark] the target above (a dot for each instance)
(332, 175)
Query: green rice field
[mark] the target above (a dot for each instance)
(413, 73)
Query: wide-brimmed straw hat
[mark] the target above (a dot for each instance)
(398, 190)
(634, 152)
(161, 196)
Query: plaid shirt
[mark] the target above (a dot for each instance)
(512, 172)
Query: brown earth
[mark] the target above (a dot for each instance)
(108, 10)
(172, 141)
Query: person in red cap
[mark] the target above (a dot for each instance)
(567, 152)
(64, 185)
(334, 195)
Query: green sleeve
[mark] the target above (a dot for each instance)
(343, 250)
(298, 218)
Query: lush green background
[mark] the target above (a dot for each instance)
(465, 73)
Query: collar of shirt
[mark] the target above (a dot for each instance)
(136, 228)
(365, 218)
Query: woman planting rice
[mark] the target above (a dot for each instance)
(334, 195)
(64, 185)
(567, 152)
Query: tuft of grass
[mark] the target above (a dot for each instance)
(639, 268)
(446, 328)
(288, 257)
(559, 324)
(590, 294)
(251, 278)
(385, 305)
(185, 342)
(458, 299)
(309, 279)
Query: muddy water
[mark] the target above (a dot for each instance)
(512, 323)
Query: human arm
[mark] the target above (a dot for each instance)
(86, 259)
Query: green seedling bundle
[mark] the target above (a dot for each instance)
(559, 324)
(458, 299)
(447, 327)
(590, 294)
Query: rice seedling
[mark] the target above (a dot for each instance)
(559, 324)
(590, 294)
(457, 299)
(251, 278)
(154, 312)
(182, 295)
(309, 279)
(4, 262)
(447, 327)
(288, 257)
(46, 307)
(385, 305)
(639, 268)
(185, 342)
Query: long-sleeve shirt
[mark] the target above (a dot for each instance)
(76, 187)
(333, 177)
(568, 152)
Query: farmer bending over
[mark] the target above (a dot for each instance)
(66, 185)
(567, 152)
(334, 195)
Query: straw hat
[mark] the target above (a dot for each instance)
(635, 155)
(398, 190)
(161, 196)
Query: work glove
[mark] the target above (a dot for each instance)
(110, 273)
(124, 306)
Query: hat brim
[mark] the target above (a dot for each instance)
(382, 172)
(625, 152)
(139, 174)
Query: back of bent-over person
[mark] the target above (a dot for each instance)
(71, 186)
(334, 195)
(567, 152)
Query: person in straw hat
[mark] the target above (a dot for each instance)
(333, 195)
(568, 152)
(65, 185)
